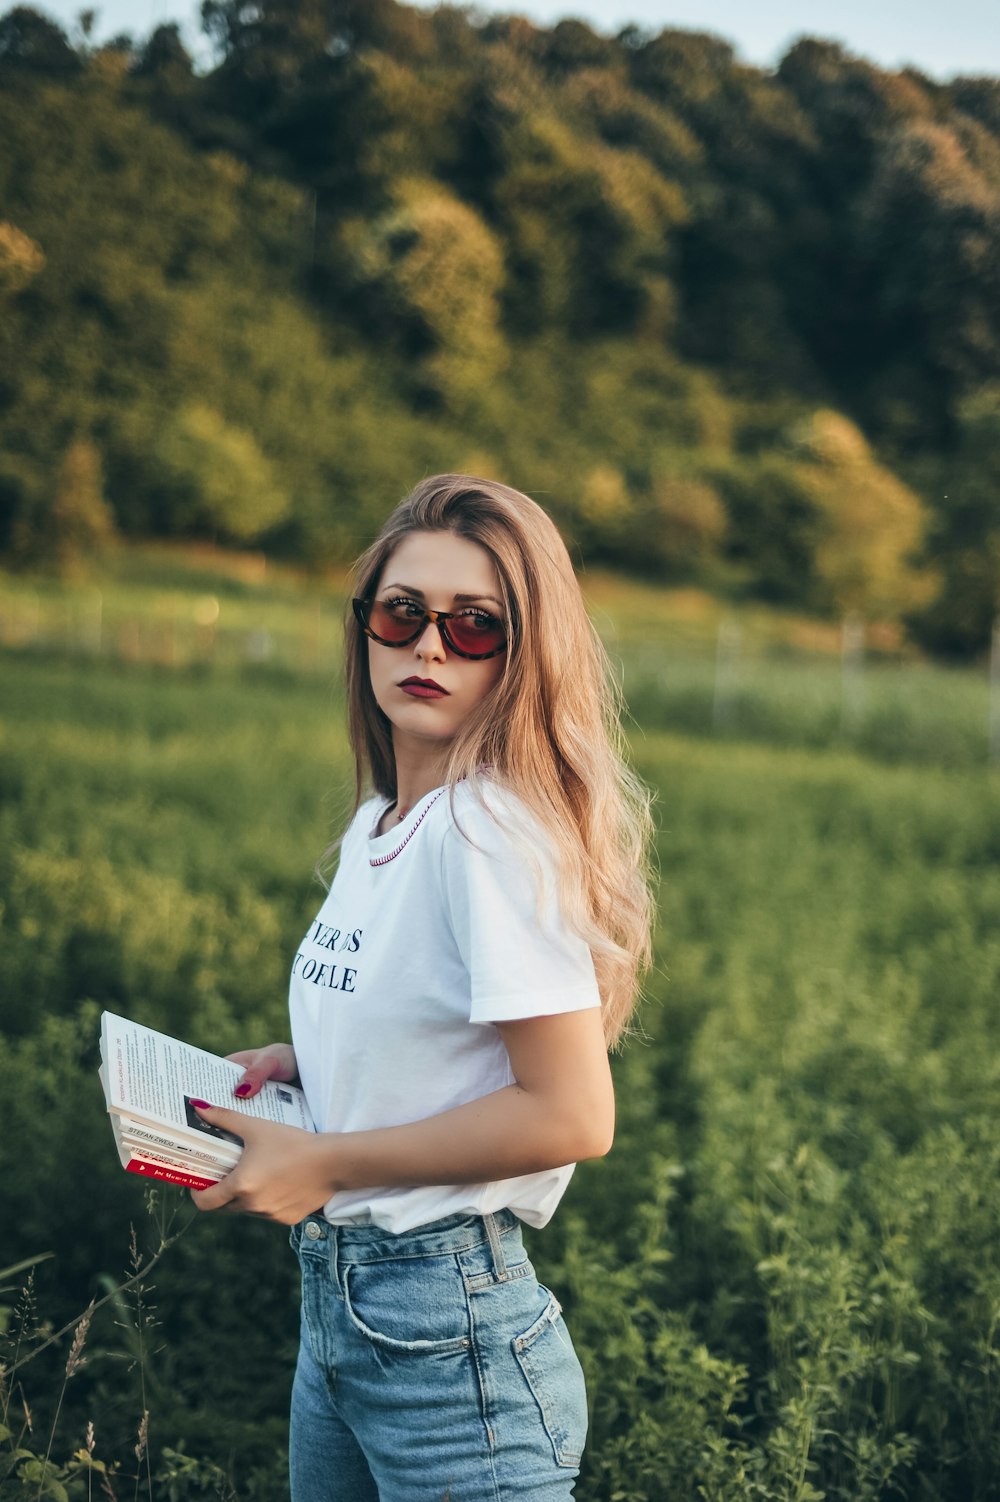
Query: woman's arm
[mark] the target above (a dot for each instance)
(560, 1110)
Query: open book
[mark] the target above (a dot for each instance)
(149, 1082)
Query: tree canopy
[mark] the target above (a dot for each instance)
(623, 272)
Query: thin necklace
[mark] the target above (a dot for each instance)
(404, 839)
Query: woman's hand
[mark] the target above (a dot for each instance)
(284, 1173)
(275, 1062)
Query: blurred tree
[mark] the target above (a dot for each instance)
(279, 41)
(22, 483)
(620, 266)
(517, 35)
(296, 92)
(930, 222)
(871, 526)
(688, 523)
(164, 58)
(772, 528)
(835, 275)
(623, 269)
(965, 540)
(83, 526)
(456, 39)
(853, 104)
(219, 476)
(680, 68)
(572, 45)
(436, 270)
(602, 100)
(275, 39)
(423, 115)
(979, 98)
(21, 259)
(31, 42)
(605, 509)
(64, 525)
(589, 230)
(753, 249)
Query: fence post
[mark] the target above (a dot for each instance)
(92, 621)
(994, 693)
(170, 633)
(311, 640)
(728, 645)
(206, 617)
(30, 626)
(852, 672)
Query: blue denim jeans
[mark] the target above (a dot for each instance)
(433, 1367)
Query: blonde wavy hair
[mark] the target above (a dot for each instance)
(549, 730)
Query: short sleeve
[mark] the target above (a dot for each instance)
(522, 959)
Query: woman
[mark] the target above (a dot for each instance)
(451, 1008)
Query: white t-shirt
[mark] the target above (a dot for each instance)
(429, 934)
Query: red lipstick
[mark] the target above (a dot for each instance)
(423, 688)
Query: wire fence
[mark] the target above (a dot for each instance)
(733, 680)
(173, 629)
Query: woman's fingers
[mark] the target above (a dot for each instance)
(241, 1126)
(265, 1067)
(222, 1193)
(245, 1056)
(282, 1174)
(275, 1062)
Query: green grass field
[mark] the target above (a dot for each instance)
(785, 1280)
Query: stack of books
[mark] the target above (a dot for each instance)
(149, 1083)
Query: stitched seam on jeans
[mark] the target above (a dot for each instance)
(559, 1440)
(484, 1408)
(483, 1282)
(450, 1343)
(447, 1251)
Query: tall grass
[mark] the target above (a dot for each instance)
(784, 1282)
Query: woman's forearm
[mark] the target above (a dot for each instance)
(499, 1136)
(560, 1109)
(286, 1173)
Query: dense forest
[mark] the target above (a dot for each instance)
(728, 324)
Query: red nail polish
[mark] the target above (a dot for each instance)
(243, 1089)
(202, 1105)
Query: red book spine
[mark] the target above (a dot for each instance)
(170, 1175)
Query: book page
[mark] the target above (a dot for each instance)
(153, 1077)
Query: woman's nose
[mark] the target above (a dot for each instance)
(430, 643)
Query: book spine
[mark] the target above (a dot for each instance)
(169, 1175)
(180, 1143)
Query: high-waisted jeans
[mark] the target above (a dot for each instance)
(433, 1367)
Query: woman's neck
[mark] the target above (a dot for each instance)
(417, 774)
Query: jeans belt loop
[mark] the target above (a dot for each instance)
(496, 1247)
(334, 1234)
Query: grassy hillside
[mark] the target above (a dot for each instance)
(784, 1281)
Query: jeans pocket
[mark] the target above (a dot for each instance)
(552, 1370)
(414, 1308)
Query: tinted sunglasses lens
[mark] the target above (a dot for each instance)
(476, 633)
(472, 633)
(391, 626)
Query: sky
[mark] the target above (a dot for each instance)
(941, 39)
